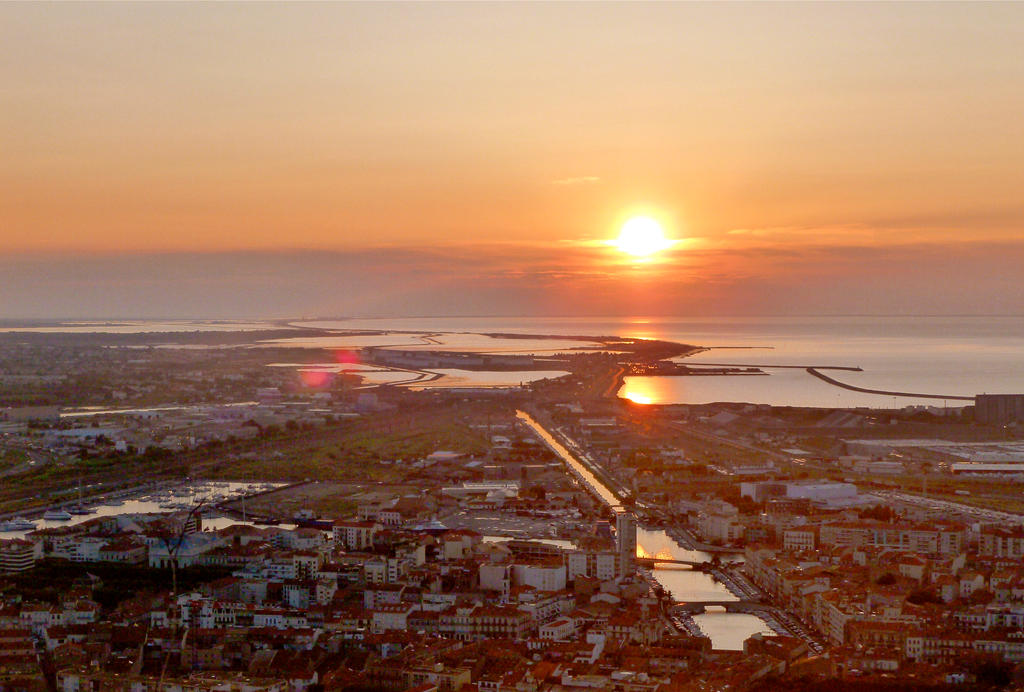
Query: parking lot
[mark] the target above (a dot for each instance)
(496, 523)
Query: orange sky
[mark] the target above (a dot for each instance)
(748, 129)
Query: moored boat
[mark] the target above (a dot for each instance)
(56, 515)
(18, 524)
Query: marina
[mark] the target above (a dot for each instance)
(149, 499)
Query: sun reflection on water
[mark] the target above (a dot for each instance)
(640, 391)
(663, 554)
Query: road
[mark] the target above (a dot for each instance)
(977, 513)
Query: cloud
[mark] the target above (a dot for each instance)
(581, 180)
(555, 279)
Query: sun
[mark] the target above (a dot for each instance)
(641, 236)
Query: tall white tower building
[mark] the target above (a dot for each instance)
(625, 538)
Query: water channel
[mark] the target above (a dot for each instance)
(726, 630)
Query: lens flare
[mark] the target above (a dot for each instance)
(315, 378)
(346, 356)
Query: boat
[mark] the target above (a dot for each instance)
(18, 524)
(77, 507)
(175, 506)
(56, 515)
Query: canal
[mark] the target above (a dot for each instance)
(726, 630)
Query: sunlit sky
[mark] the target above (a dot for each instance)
(473, 158)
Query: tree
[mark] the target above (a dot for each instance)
(879, 512)
(922, 596)
(535, 492)
(981, 597)
(992, 672)
(172, 536)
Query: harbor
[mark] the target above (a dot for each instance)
(151, 498)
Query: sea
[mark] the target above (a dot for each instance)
(936, 355)
(943, 356)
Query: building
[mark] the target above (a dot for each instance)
(625, 541)
(561, 629)
(18, 555)
(999, 409)
(541, 575)
(719, 521)
(826, 493)
(1001, 541)
(597, 563)
(800, 538)
(354, 535)
(185, 551)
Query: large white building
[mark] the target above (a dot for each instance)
(543, 576)
(189, 548)
(828, 493)
(719, 521)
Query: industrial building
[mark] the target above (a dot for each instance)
(821, 493)
(999, 409)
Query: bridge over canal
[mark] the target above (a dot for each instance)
(652, 561)
(697, 607)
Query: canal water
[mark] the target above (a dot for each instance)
(726, 630)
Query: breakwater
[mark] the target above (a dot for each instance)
(883, 392)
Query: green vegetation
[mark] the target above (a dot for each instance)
(58, 482)
(362, 450)
(356, 450)
(10, 458)
(924, 595)
(879, 513)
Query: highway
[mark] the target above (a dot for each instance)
(967, 512)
